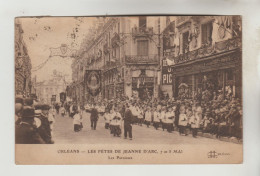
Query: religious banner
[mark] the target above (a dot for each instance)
(62, 96)
(93, 82)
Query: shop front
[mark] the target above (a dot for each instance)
(143, 86)
(220, 74)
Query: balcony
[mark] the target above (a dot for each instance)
(111, 65)
(182, 20)
(202, 52)
(135, 59)
(142, 32)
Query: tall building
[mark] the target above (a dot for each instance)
(204, 53)
(45, 90)
(22, 63)
(127, 51)
(172, 55)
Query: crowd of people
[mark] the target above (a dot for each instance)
(220, 117)
(216, 116)
(33, 122)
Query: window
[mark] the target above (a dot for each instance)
(142, 48)
(206, 31)
(185, 42)
(229, 74)
(142, 21)
(114, 52)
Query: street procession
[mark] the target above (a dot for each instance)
(140, 79)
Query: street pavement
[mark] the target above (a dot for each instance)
(63, 133)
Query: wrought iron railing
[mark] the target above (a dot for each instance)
(142, 31)
(205, 51)
(136, 59)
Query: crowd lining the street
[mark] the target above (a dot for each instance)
(220, 116)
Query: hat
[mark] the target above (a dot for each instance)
(38, 106)
(19, 100)
(28, 112)
(28, 102)
(18, 107)
(38, 113)
(45, 107)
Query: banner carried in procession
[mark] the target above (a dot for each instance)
(62, 96)
(92, 82)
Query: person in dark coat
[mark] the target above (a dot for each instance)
(18, 109)
(25, 131)
(128, 120)
(177, 115)
(94, 117)
(45, 130)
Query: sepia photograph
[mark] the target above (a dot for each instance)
(128, 90)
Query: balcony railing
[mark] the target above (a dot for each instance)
(135, 59)
(142, 31)
(219, 47)
(111, 64)
(182, 19)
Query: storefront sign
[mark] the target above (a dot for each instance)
(92, 81)
(166, 74)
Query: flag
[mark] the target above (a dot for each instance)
(62, 51)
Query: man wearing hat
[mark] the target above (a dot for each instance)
(18, 109)
(128, 120)
(94, 117)
(45, 130)
(25, 131)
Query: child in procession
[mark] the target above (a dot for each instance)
(148, 116)
(77, 121)
(107, 117)
(183, 121)
(163, 117)
(156, 118)
(170, 115)
(117, 120)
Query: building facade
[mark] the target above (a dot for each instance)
(206, 54)
(175, 56)
(46, 90)
(22, 64)
(127, 50)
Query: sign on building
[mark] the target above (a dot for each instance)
(166, 73)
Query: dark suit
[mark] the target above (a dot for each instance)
(26, 133)
(94, 118)
(128, 120)
(45, 130)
